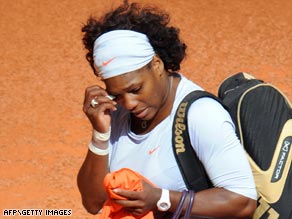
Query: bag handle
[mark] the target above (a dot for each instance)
(191, 168)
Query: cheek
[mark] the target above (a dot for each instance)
(151, 94)
(154, 98)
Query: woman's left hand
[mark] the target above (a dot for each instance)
(139, 202)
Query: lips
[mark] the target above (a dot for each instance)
(141, 114)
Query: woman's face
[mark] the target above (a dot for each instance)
(142, 92)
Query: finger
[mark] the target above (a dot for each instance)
(95, 87)
(134, 211)
(93, 103)
(128, 194)
(131, 205)
(105, 99)
(137, 211)
(97, 101)
(92, 92)
(101, 109)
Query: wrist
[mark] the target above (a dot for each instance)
(103, 137)
(98, 150)
(99, 144)
(163, 203)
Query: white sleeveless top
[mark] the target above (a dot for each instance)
(212, 136)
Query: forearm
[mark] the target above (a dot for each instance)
(90, 181)
(218, 203)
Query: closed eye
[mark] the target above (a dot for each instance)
(135, 90)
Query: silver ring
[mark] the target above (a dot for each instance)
(93, 103)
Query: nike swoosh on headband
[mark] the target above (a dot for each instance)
(105, 63)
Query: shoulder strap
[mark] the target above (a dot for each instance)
(189, 164)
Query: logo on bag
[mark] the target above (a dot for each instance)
(180, 127)
(264, 210)
(271, 182)
(282, 159)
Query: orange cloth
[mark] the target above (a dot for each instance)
(124, 179)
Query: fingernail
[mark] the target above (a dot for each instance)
(111, 97)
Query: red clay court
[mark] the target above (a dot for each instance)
(44, 133)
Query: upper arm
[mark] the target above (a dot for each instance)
(213, 137)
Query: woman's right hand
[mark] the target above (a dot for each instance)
(99, 115)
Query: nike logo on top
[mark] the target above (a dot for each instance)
(153, 150)
(105, 63)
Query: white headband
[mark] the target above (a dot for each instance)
(121, 51)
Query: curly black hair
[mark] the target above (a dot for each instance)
(148, 20)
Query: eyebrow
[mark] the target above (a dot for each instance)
(126, 89)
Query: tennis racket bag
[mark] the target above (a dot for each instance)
(263, 117)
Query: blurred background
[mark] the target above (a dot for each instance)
(43, 131)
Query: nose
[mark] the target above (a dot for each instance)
(129, 102)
